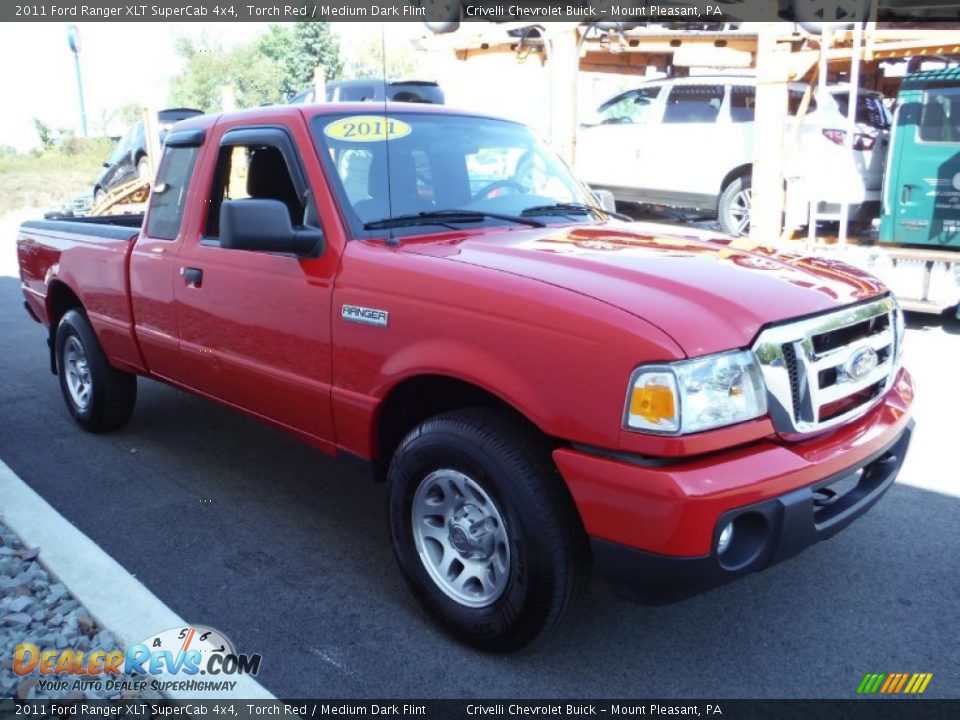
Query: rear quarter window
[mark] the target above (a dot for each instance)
(743, 103)
(693, 104)
(169, 196)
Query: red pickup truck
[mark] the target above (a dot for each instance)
(545, 388)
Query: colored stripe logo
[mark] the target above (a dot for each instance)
(894, 683)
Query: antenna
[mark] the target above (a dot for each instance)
(391, 239)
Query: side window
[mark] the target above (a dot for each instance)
(251, 171)
(169, 194)
(940, 116)
(743, 103)
(693, 104)
(630, 108)
(357, 93)
(123, 146)
(794, 98)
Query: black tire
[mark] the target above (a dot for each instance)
(111, 393)
(548, 552)
(730, 209)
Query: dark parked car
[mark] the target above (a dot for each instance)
(129, 158)
(374, 89)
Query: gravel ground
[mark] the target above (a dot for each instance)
(37, 609)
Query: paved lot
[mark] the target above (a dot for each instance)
(290, 558)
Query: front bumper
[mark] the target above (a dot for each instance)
(654, 526)
(769, 532)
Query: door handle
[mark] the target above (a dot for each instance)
(193, 277)
(905, 194)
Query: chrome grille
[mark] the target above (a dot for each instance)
(826, 370)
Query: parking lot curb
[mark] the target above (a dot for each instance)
(96, 580)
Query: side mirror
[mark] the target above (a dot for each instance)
(106, 165)
(264, 226)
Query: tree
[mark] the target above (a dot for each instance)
(44, 133)
(256, 79)
(367, 60)
(299, 50)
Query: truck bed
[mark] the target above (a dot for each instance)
(86, 258)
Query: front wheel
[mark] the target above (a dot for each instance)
(483, 528)
(735, 204)
(98, 396)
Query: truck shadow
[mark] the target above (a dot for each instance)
(240, 527)
(946, 321)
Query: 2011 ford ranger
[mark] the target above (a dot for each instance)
(544, 387)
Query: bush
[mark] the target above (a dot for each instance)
(52, 176)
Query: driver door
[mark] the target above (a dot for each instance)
(255, 326)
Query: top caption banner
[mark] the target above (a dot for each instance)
(445, 14)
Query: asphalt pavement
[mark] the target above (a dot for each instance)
(236, 526)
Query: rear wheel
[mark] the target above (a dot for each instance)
(483, 528)
(98, 396)
(735, 206)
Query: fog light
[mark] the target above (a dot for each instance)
(726, 535)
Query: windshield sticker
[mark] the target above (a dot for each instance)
(367, 128)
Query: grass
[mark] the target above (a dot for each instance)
(51, 177)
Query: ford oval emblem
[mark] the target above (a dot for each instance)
(861, 363)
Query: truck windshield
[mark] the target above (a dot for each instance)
(423, 172)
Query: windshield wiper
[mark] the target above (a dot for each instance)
(571, 208)
(447, 218)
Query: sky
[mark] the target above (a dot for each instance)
(121, 63)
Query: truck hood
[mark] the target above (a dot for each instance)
(694, 285)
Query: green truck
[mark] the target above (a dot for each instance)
(919, 251)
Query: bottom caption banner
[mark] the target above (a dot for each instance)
(140, 709)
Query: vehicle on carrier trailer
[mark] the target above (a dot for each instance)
(636, 147)
(919, 250)
(433, 295)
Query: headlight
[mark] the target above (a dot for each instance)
(695, 395)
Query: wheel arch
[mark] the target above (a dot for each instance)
(60, 299)
(738, 172)
(419, 397)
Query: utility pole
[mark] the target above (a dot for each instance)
(73, 39)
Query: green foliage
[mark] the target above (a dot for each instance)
(51, 176)
(125, 115)
(298, 51)
(44, 133)
(367, 60)
(255, 78)
(270, 69)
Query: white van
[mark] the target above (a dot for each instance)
(688, 143)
